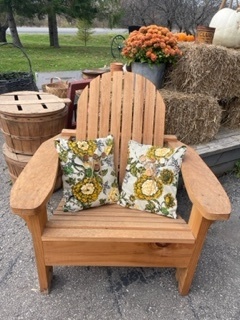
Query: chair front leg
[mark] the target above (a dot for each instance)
(199, 226)
(36, 225)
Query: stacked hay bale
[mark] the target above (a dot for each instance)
(193, 118)
(231, 112)
(203, 90)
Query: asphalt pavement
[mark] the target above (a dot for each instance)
(96, 293)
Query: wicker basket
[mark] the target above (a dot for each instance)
(17, 81)
(58, 88)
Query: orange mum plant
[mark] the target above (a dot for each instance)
(151, 44)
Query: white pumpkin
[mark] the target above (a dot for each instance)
(227, 28)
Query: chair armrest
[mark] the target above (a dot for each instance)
(35, 184)
(203, 187)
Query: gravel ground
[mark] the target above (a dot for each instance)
(89, 293)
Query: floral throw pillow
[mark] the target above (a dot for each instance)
(89, 178)
(151, 179)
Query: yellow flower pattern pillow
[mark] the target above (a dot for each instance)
(89, 178)
(151, 179)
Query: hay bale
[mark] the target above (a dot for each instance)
(231, 113)
(206, 69)
(193, 118)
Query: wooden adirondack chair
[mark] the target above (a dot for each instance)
(129, 107)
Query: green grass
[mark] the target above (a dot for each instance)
(236, 169)
(72, 54)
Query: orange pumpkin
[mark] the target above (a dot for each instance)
(182, 36)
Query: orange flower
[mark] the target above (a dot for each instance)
(148, 54)
(162, 45)
(148, 43)
(151, 44)
(153, 57)
(156, 45)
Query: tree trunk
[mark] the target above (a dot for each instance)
(13, 28)
(169, 24)
(50, 30)
(53, 30)
(3, 29)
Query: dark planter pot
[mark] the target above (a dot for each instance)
(154, 73)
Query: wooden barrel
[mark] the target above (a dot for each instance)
(16, 163)
(29, 118)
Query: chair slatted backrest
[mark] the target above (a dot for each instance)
(126, 105)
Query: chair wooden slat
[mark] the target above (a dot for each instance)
(159, 121)
(105, 109)
(93, 109)
(82, 115)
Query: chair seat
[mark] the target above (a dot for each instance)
(112, 235)
(115, 223)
